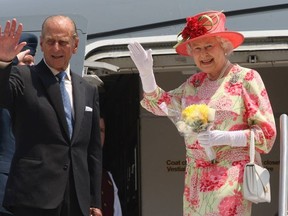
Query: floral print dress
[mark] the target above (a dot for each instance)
(241, 103)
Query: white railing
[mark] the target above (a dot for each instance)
(283, 192)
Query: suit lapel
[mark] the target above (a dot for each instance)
(53, 91)
(78, 103)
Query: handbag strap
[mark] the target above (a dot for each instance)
(252, 147)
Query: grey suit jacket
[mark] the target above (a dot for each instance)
(44, 154)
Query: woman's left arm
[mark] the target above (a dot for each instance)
(259, 113)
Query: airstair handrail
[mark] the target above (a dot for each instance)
(283, 192)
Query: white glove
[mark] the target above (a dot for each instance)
(217, 138)
(144, 63)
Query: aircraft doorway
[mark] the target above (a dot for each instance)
(119, 101)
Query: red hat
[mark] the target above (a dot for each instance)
(206, 24)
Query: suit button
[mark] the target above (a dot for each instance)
(65, 167)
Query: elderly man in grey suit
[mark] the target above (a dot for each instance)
(57, 165)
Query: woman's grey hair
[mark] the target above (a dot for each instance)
(226, 45)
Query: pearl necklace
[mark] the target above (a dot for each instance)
(223, 70)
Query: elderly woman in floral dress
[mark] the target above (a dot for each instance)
(239, 97)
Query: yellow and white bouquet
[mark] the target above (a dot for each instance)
(193, 119)
(197, 118)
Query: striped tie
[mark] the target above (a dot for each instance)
(66, 101)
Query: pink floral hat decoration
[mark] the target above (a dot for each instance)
(206, 24)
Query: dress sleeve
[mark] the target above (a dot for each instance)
(259, 113)
(173, 101)
(163, 103)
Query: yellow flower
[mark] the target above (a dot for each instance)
(198, 116)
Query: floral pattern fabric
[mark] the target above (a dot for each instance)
(241, 103)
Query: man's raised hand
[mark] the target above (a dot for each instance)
(9, 39)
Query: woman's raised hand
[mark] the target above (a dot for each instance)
(144, 63)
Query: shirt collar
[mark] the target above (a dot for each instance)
(55, 72)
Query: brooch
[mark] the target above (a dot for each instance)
(234, 79)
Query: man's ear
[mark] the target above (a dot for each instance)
(76, 43)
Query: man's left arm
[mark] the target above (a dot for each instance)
(95, 155)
